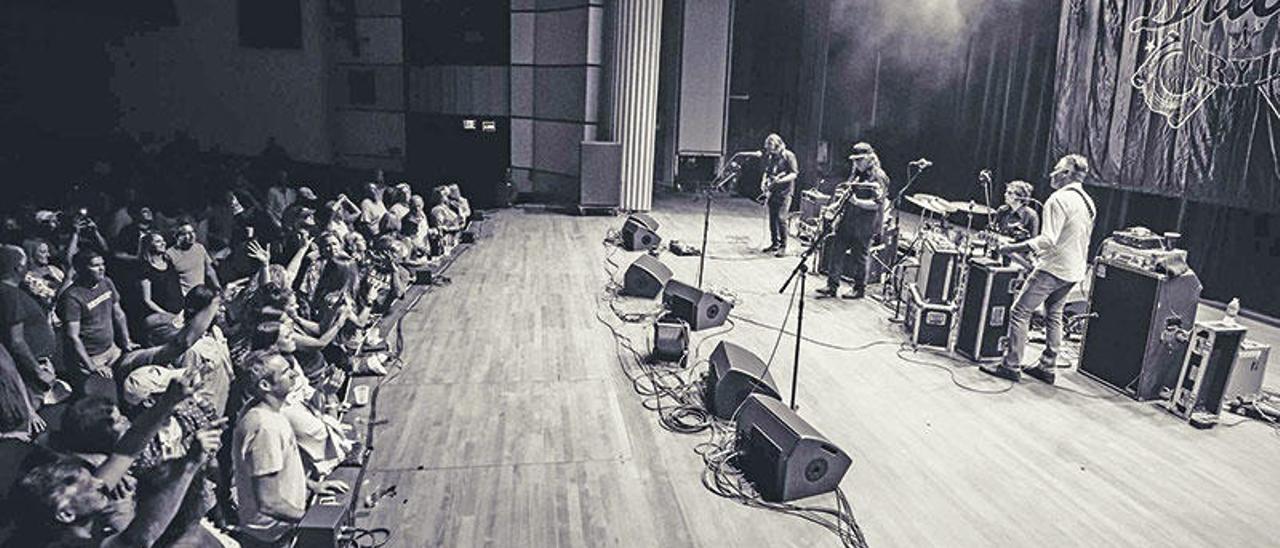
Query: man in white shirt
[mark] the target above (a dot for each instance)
(269, 477)
(1062, 250)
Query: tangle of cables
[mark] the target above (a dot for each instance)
(677, 391)
(722, 477)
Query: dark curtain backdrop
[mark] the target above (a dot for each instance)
(1184, 109)
(968, 87)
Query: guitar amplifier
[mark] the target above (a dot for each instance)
(1211, 353)
(984, 316)
(929, 324)
(939, 266)
(1130, 310)
(322, 526)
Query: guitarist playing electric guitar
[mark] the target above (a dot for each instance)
(780, 170)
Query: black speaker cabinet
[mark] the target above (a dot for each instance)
(939, 265)
(701, 309)
(784, 456)
(733, 375)
(984, 318)
(600, 182)
(1131, 308)
(670, 339)
(639, 233)
(645, 277)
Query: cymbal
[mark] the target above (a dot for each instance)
(931, 203)
(972, 208)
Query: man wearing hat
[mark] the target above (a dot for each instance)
(780, 171)
(858, 220)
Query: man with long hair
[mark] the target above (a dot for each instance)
(780, 170)
(858, 219)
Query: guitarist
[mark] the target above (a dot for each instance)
(857, 220)
(780, 171)
(1063, 249)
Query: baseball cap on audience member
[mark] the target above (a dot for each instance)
(148, 381)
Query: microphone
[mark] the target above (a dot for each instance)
(922, 163)
(751, 153)
(984, 177)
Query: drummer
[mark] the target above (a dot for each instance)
(858, 222)
(1016, 218)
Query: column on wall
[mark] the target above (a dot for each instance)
(638, 37)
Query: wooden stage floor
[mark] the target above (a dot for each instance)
(512, 424)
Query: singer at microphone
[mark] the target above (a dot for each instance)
(1016, 218)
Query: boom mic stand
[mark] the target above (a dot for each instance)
(802, 270)
(728, 173)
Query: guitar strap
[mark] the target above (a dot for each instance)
(1088, 202)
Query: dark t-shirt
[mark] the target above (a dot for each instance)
(778, 165)
(16, 306)
(865, 222)
(92, 307)
(166, 287)
(1019, 224)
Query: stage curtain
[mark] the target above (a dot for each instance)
(977, 95)
(1180, 109)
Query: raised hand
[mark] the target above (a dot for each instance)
(258, 253)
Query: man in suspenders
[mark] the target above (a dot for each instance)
(1062, 250)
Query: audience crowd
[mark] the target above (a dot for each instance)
(174, 375)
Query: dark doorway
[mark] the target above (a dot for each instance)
(472, 151)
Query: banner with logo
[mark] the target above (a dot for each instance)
(1174, 97)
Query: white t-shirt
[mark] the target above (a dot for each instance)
(265, 444)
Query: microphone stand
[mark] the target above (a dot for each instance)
(728, 173)
(897, 225)
(802, 270)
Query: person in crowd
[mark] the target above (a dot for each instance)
(191, 259)
(397, 202)
(459, 204)
(356, 247)
(26, 333)
(372, 209)
(73, 501)
(159, 286)
(269, 474)
(1062, 250)
(444, 219)
(43, 279)
(96, 328)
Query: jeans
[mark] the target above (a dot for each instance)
(1041, 288)
(778, 209)
(858, 246)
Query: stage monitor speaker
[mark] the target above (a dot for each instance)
(670, 339)
(701, 309)
(1130, 309)
(639, 233)
(1245, 384)
(734, 374)
(600, 183)
(645, 277)
(784, 456)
